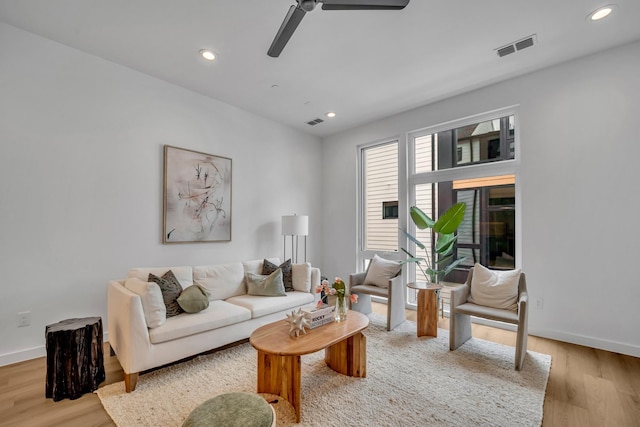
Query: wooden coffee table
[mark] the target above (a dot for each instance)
(344, 345)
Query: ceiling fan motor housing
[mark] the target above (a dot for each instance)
(307, 5)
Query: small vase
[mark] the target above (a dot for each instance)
(341, 308)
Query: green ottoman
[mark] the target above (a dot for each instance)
(233, 410)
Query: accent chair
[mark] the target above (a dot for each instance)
(498, 307)
(383, 279)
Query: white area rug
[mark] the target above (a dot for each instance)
(410, 381)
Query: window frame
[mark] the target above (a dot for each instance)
(476, 170)
(362, 254)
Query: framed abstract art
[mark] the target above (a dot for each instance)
(197, 197)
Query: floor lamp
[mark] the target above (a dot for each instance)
(295, 226)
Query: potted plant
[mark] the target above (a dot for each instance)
(442, 262)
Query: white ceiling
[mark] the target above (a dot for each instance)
(364, 65)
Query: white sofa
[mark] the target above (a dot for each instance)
(232, 314)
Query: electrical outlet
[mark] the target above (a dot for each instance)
(24, 318)
(539, 303)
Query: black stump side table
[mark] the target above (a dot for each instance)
(75, 361)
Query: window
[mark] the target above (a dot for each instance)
(380, 184)
(487, 235)
(472, 161)
(390, 210)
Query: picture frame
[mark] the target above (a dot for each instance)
(197, 197)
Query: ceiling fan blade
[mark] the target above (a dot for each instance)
(364, 4)
(289, 25)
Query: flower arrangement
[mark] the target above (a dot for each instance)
(337, 288)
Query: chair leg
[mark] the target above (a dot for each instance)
(521, 348)
(395, 305)
(523, 332)
(363, 305)
(459, 329)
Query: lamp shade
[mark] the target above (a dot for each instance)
(295, 225)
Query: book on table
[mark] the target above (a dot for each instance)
(319, 316)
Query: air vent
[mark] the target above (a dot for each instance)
(522, 44)
(504, 51)
(516, 46)
(314, 122)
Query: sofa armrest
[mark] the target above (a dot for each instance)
(128, 333)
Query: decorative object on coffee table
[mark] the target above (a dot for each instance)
(319, 314)
(75, 361)
(339, 290)
(297, 322)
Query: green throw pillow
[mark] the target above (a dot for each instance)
(193, 300)
(266, 286)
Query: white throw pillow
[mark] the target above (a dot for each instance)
(221, 281)
(301, 277)
(494, 288)
(381, 271)
(155, 312)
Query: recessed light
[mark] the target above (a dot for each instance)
(330, 114)
(601, 12)
(207, 54)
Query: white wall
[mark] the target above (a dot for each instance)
(579, 174)
(81, 164)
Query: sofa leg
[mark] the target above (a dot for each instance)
(130, 382)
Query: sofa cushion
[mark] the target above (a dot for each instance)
(268, 267)
(221, 281)
(370, 290)
(301, 277)
(380, 271)
(217, 315)
(155, 312)
(183, 274)
(493, 288)
(261, 306)
(266, 286)
(193, 299)
(171, 290)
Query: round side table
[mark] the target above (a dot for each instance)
(427, 308)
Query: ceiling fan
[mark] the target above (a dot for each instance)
(297, 12)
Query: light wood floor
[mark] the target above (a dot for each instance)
(587, 387)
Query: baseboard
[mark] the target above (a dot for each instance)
(22, 355)
(30, 353)
(607, 345)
